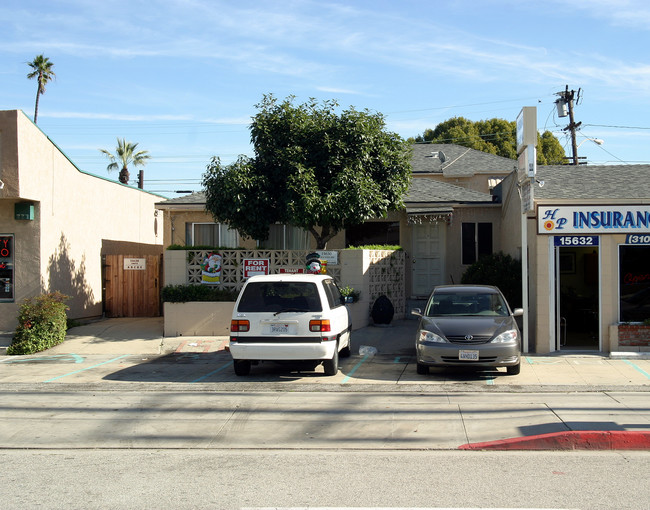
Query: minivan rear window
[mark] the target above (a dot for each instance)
(280, 296)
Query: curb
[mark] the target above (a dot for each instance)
(571, 440)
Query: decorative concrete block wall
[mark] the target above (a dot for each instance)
(372, 272)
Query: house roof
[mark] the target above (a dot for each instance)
(425, 190)
(422, 192)
(458, 161)
(186, 201)
(597, 182)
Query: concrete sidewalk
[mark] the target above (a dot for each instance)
(389, 361)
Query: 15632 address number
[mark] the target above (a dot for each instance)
(576, 240)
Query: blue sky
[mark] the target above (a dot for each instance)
(182, 77)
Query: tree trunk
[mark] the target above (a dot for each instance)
(38, 95)
(124, 176)
(325, 235)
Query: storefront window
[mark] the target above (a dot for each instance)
(634, 276)
(6, 267)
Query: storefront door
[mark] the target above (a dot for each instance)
(577, 293)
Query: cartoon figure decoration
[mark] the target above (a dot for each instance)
(211, 269)
(315, 265)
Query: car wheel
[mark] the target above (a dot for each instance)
(514, 370)
(242, 366)
(331, 366)
(422, 369)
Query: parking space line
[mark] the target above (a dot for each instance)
(87, 368)
(354, 369)
(633, 365)
(211, 373)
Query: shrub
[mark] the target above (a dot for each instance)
(500, 270)
(348, 291)
(185, 293)
(42, 324)
(376, 247)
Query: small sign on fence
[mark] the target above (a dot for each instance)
(135, 264)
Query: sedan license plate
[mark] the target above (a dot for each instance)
(468, 355)
(279, 328)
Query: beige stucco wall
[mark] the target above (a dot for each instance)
(76, 216)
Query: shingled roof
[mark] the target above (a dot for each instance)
(597, 182)
(458, 161)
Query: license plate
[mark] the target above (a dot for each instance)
(279, 328)
(468, 355)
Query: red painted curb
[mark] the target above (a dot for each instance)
(571, 440)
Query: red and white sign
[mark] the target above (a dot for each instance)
(254, 267)
(292, 270)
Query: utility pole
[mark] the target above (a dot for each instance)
(565, 106)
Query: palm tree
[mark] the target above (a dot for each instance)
(125, 155)
(42, 70)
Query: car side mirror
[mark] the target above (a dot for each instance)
(417, 312)
(518, 312)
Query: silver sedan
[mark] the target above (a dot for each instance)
(468, 325)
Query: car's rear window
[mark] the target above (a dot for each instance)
(466, 303)
(279, 297)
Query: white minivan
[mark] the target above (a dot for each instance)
(286, 317)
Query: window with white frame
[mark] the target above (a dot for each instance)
(211, 234)
(476, 241)
(286, 237)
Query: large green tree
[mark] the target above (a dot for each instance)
(495, 136)
(125, 155)
(42, 71)
(313, 168)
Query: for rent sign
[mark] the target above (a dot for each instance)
(590, 219)
(254, 267)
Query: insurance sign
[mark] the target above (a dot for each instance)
(590, 219)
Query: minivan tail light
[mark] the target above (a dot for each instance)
(239, 326)
(320, 326)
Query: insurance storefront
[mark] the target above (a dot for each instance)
(598, 259)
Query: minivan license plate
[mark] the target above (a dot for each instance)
(279, 328)
(468, 355)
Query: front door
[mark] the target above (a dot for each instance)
(428, 258)
(577, 297)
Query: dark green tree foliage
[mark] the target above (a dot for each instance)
(494, 136)
(313, 168)
(500, 270)
(42, 324)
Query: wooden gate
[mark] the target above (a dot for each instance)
(132, 286)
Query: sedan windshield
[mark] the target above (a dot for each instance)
(459, 304)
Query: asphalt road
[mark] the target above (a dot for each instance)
(233, 479)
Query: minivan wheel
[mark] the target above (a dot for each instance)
(242, 366)
(422, 369)
(514, 370)
(331, 366)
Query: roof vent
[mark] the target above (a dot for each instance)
(440, 155)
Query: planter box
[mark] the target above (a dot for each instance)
(359, 314)
(633, 335)
(198, 318)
